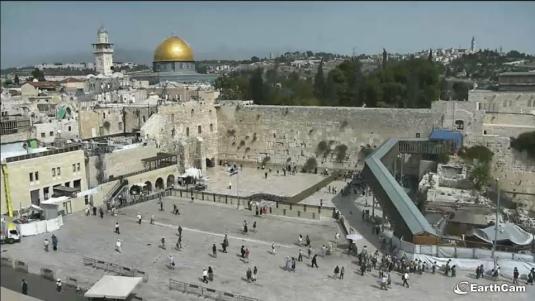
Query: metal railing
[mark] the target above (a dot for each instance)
(45, 153)
(206, 292)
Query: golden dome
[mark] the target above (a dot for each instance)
(173, 49)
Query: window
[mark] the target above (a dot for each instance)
(77, 166)
(192, 111)
(69, 128)
(53, 172)
(43, 135)
(417, 135)
(51, 133)
(67, 184)
(199, 129)
(211, 127)
(45, 192)
(76, 183)
(59, 171)
(74, 168)
(187, 132)
(37, 176)
(459, 124)
(104, 115)
(120, 125)
(31, 176)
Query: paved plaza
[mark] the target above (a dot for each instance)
(251, 180)
(205, 223)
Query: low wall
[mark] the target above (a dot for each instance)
(39, 227)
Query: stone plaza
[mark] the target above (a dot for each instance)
(205, 223)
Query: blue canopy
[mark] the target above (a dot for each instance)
(448, 135)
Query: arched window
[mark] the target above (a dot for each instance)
(187, 132)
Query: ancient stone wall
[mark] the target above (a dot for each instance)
(285, 133)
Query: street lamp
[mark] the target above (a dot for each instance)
(496, 224)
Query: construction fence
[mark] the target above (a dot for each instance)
(206, 292)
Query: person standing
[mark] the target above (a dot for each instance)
(46, 243)
(293, 264)
(249, 274)
(336, 271)
(255, 271)
(315, 261)
(94, 210)
(139, 219)
(273, 248)
(309, 251)
(162, 241)
(210, 274)
(179, 230)
(161, 203)
(434, 267)
(515, 276)
(58, 285)
(214, 250)
(204, 276)
(179, 243)
(152, 219)
(342, 272)
(308, 241)
(54, 242)
(101, 212)
(405, 279)
(254, 226)
(24, 287)
(300, 257)
(117, 228)
(300, 239)
(118, 246)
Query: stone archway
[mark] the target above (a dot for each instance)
(159, 184)
(170, 180)
(135, 190)
(148, 187)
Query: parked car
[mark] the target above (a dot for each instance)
(200, 187)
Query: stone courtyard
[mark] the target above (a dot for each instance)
(205, 223)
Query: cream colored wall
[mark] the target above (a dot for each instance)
(28, 90)
(19, 180)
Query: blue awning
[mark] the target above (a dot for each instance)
(448, 135)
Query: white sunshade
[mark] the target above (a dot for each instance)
(55, 201)
(87, 192)
(113, 287)
(354, 236)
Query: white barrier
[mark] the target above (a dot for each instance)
(39, 227)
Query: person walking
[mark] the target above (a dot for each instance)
(253, 276)
(139, 219)
(214, 251)
(210, 273)
(204, 276)
(225, 244)
(249, 274)
(405, 279)
(515, 276)
(434, 267)
(162, 241)
(342, 273)
(24, 288)
(54, 242)
(101, 212)
(309, 251)
(118, 246)
(179, 230)
(178, 245)
(308, 241)
(254, 226)
(172, 261)
(300, 238)
(152, 219)
(94, 211)
(46, 243)
(161, 203)
(58, 285)
(246, 253)
(117, 228)
(336, 271)
(300, 257)
(273, 248)
(315, 261)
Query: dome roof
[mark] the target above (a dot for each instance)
(173, 49)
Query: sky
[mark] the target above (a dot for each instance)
(36, 32)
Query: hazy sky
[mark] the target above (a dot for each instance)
(34, 32)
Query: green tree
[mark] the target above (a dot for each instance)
(256, 86)
(319, 83)
(480, 174)
(255, 59)
(525, 142)
(38, 74)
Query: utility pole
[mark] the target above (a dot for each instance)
(496, 224)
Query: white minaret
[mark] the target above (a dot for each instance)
(103, 53)
(473, 45)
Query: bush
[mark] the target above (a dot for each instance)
(265, 160)
(477, 152)
(310, 165)
(231, 132)
(340, 151)
(525, 142)
(322, 149)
